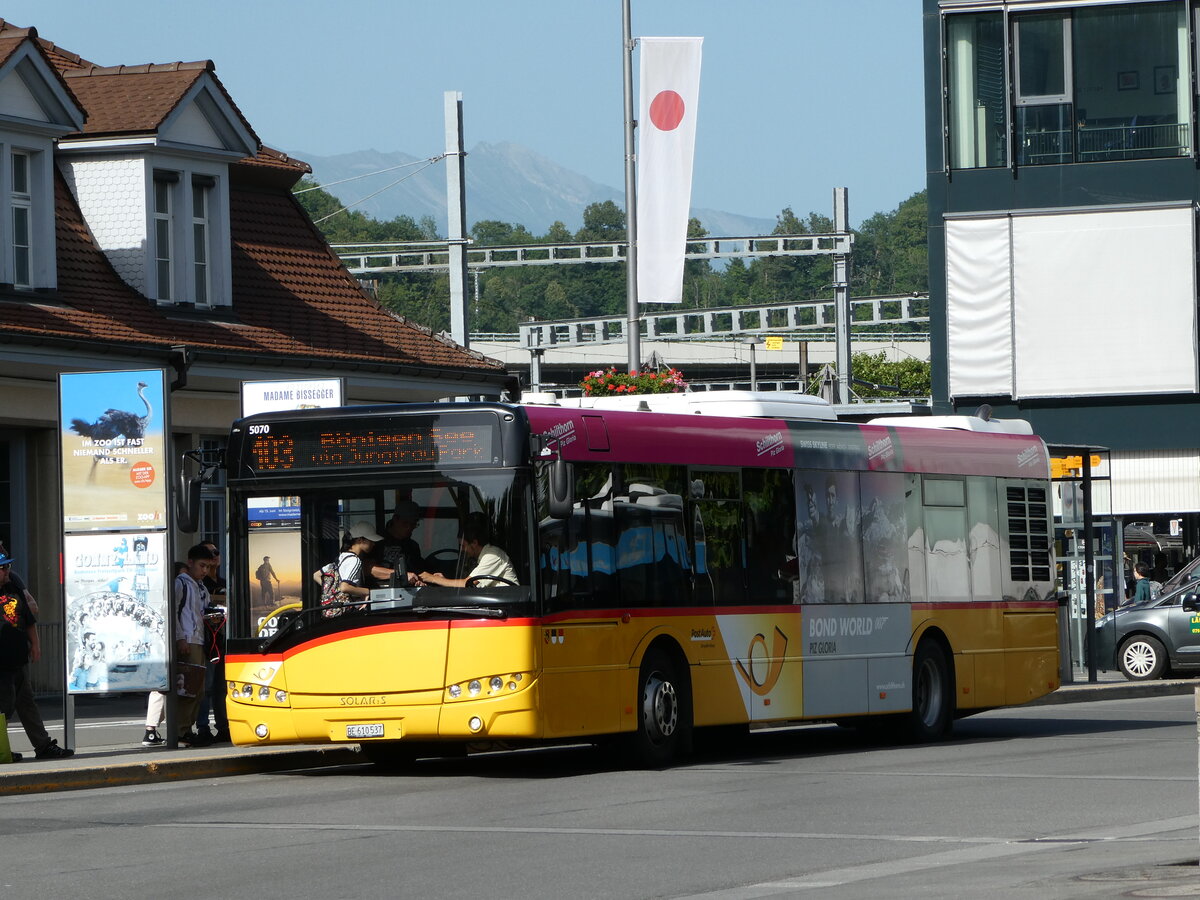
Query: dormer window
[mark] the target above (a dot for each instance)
(186, 224)
(201, 235)
(22, 202)
(164, 226)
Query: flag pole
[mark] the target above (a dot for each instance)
(633, 335)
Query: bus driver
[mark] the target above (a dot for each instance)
(491, 562)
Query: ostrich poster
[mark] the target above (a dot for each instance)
(114, 465)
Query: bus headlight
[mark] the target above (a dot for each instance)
(261, 731)
(264, 693)
(495, 684)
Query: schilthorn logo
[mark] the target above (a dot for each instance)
(880, 449)
(563, 433)
(1028, 457)
(770, 445)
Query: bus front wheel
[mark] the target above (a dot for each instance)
(664, 712)
(933, 694)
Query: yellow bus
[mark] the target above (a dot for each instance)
(683, 563)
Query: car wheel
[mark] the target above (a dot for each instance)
(1142, 658)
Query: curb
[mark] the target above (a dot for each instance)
(158, 770)
(1087, 693)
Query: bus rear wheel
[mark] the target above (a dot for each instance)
(933, 695)
(664, 712)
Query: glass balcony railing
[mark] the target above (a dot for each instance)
(1046, 136)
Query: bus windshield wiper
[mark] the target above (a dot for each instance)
(486, 612)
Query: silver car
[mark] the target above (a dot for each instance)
(1147, 640)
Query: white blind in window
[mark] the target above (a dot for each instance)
(1105, 303)
(979, 307)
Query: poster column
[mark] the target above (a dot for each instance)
(116, 548)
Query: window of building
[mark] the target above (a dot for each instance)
(975, 53)
(164, 233)
(201, 202)
(187, 224)
(22, 203)
(1094, 84)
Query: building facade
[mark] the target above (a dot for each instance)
(1063, 184)
(143, 224)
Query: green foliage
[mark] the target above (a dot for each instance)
(889, 258)
(908, 377)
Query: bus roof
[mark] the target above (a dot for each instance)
(732, 404)
(957, 423)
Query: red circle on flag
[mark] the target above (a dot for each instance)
(666, 110)
(141, 474)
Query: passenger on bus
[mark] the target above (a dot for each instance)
(356, 546)
(492, 565)
(398, 554)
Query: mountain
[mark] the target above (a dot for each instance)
(505, 181)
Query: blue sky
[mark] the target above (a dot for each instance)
(796, 96)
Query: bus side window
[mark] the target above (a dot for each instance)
(577, 553)
(717, 536)
(653, 567)
(770, 534)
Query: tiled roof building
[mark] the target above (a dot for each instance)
(143, 224)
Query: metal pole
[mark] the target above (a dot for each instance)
(456, 215)
(633, 337)
(803, 374)
(1089, 568)
(753, 369)
(841, 296)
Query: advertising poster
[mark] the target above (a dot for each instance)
(116, 588)
(276, 577)
(114, 465)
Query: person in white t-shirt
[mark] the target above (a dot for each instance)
(491, 562)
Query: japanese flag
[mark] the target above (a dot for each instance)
(670, 92)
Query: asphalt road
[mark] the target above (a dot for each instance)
(1077, 800)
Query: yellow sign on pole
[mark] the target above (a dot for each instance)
(774, 342)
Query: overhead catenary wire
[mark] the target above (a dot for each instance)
(419, 162)
(425, 164)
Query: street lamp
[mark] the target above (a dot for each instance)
(752, 341)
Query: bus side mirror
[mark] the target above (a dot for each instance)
(562, 489)
(187, 503)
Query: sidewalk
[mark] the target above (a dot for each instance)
(108, 754)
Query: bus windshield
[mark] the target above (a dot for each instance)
(427, 543)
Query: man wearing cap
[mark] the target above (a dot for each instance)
(398, 545)
(45, 747)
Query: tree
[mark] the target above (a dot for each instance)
(891, 251)
(908, 377)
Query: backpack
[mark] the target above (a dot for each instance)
(1155, 590)
(263, 572)
(334, 601)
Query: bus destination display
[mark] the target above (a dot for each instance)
(301, 446)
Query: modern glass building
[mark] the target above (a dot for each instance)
(1063, 183)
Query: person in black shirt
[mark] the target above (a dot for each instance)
(24, 704)
(399, 547)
